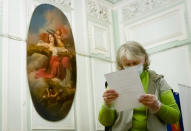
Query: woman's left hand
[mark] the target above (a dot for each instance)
(150, 101)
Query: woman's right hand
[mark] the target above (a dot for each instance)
(109, 96)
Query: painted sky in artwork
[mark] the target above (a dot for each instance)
(45, 18)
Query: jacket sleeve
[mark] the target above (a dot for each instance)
(107, 115)
(169, 111)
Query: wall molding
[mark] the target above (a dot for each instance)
(97, 47)
(136, 8)
(178, 35)
(9, 36)
(98, 87)
(1, 69)
(114, 1)
(83, 94)
(5, 52)
(5, 83)
(24, 87)
(1, 7)
(65, 3)
(98, 11)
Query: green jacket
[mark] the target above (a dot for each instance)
(168, 113)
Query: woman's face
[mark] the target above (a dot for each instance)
(51, 38)
(129, 63)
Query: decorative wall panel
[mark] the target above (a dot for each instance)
(99, 37)
(171, 23)
(137, 8)
(65, 3)
(98, 80)
(99, 11)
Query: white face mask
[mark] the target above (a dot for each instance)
(138, 68)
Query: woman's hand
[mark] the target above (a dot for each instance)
(150, 101)
(109, 96)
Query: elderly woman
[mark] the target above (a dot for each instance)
(159, 107)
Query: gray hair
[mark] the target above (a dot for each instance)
(132, 50)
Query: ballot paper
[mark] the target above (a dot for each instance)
(128, 85)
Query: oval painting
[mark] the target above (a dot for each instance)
(51, 62)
